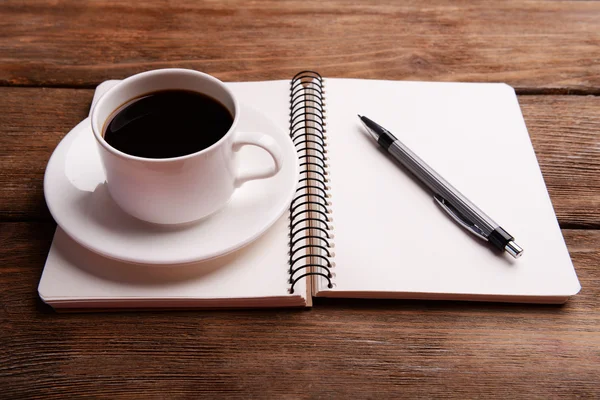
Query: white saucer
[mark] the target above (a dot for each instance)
(76, 194)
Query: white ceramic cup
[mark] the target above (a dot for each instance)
(180, 189)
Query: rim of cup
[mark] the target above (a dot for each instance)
(98, 126)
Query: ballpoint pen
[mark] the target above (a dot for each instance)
(451, 200)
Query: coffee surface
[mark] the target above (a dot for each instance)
(166, 124)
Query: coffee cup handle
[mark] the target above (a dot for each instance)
(264, 142)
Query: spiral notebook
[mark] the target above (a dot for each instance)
(360, 226)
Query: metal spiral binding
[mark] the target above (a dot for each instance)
(310, 216)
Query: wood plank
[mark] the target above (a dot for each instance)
(565, 131)
(340, 348)
(32, 123)
(533, 45)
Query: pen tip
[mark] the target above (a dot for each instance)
(359, 116)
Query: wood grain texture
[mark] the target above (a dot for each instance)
(565, 131)
(535, 45)
(32, 123)
(340, 348)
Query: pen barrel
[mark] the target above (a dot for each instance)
(441, 187)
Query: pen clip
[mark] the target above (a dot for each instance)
(458, 217)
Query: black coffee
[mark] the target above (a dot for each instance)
(169, 123)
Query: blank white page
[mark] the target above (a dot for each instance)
(391, 238)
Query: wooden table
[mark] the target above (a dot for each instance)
(53, 53)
